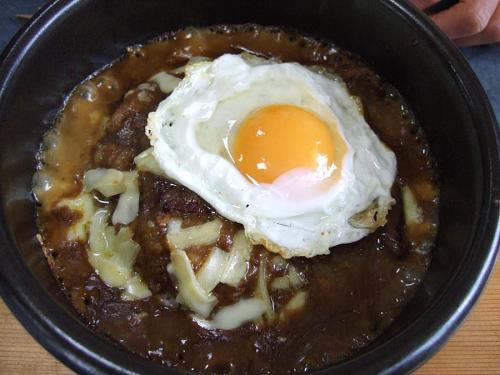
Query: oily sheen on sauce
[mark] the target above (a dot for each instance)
(354, 293)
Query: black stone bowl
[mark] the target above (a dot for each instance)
(69, 39)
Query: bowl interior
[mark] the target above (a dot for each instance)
(72, 39)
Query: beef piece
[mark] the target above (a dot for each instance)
(161, 199)
(164, 197)
(177, 199)
(125, 136)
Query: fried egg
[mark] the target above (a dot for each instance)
(277, 147)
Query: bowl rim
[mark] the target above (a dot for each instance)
(44, 317)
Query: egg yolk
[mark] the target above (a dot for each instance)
(278, 138)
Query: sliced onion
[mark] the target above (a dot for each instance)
(280, 283)
(296, 279)
(296, 303)
(413, 213)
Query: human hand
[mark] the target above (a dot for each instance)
(468, 23)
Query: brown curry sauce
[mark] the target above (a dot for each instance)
(354, 293)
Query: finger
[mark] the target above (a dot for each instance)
(424, 4)
(489, 35)
(467, 18)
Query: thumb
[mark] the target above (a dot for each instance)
(467, 18)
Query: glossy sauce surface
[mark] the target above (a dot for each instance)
(353, 294)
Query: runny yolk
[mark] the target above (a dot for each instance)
(278, 138)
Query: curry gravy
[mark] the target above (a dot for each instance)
(354, 293)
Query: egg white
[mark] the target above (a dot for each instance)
(192, 129)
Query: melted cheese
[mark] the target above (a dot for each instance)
(113, 255)
(191, 293)
(84, 204)
(199, 235)
(110, 182)
(233, 316)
